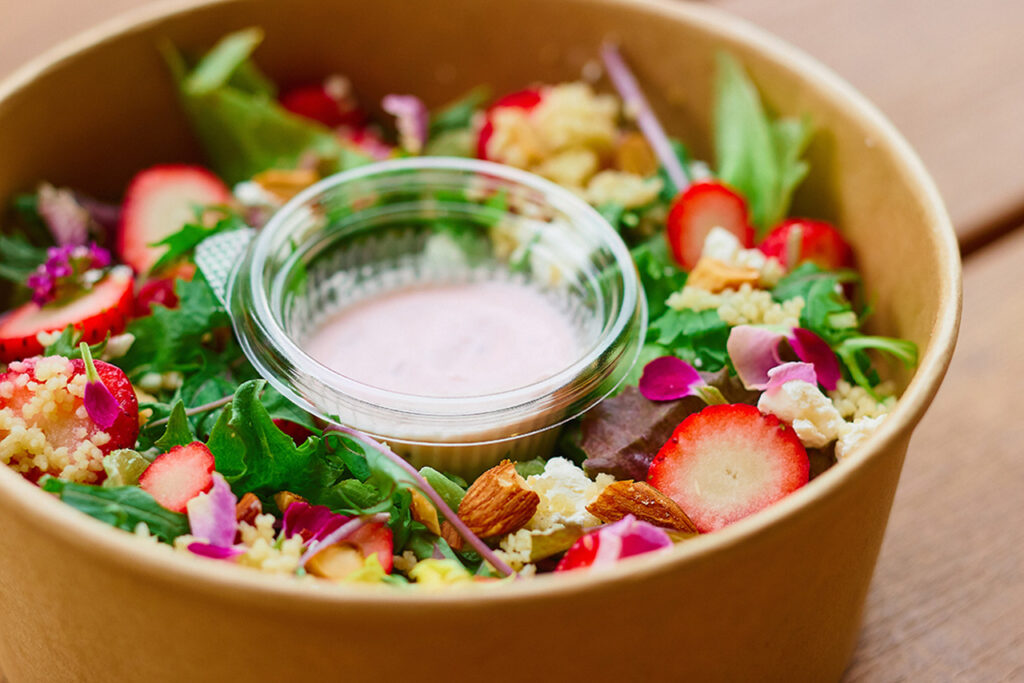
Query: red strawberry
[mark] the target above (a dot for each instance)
(331, 103)
(179, 475)
(103, 309)
(375, 538)
(696, 211)
(799, 239)
(64, 421)
(157, 203)
(727, 462)
(160, 291)
(523, 99)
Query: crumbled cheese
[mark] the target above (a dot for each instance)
(854, 433)
(854, 401)
(722, 245)
(565, 491)
(745, 306)
(812, 415)
(117, 346)
(251, 193)
(627, 189)
(569, 168)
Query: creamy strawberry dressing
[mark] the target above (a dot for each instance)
(467, 339)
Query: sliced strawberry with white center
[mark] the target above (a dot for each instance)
(799, 239)
(104, 308)
(694, 213)
(178, 476)
(727, 462)
(157, 203)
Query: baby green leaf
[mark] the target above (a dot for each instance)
(123, 507)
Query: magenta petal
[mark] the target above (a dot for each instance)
(411, 119)
(812, 349)
(312, 522)
(788, 372)
(668, 378)
(211, 515)
(214, 551)
(100, 404)
(626, 538)
(754, 351)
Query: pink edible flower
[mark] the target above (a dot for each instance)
(101, 406)
(669, 378)
(613, 542)
(65, 269)
(312, 522)
(411, 119)
(67, 220)
(211, 515)
(754, 351)
(789, 372)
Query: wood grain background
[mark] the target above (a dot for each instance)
(947, 602)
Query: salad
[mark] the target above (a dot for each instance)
(125, 394)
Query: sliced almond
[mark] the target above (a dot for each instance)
(498, 502)
(452, 537)
(335, 562)
(286, 498)
(285, 184)
(424, 512)
(714, 276)
(644, 502)
(634, 155)
(248, 509)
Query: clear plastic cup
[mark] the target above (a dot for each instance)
(396, 224)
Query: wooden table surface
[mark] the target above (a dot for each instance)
(947, 602)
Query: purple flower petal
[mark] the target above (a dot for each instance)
(100, 404)
(668, 378)
(754, 351)
(215, 552)
(812, 349)
(211, 515)
(312, 522)
(411, 119)
(788, 372)
(67, 220)
(626, 538)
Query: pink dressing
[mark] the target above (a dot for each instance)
(467, 339)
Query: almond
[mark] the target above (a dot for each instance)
(285, 184)
(451, 536)
(248, 509)
(714, 275)
(498, 502)
(634, 155)
(644, 502)
(424, 512)
(286, 498)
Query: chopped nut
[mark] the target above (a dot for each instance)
(451, 536)
(498, 502)
(424, 512)
(248, 509)
(644, 502)
(286, 498)
(285, 184)
(715, 276)
(634, 155)
(335, 562)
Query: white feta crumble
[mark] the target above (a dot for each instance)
(722, 245)
(565, 491)
(812, 414)
(852, 434)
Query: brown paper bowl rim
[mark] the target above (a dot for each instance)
(164, 565)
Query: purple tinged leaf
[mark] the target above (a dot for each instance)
(789, 372)
(101, 406)
(669, 378)
(811, 348)
(216, 552)
(411, 119)
(754, 351)
(211, 515)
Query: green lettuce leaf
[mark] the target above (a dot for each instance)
(698, 337)
(122, 506)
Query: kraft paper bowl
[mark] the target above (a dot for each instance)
(777, 596)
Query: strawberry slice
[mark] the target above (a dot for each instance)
(727, 462)
(46, 396)
(157, 203)
(696, 211)
(522, 99)
(331, 103)
(178, 476)
(103, 309)
(374, 538)
(800, 239)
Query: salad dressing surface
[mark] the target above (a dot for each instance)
(467, 339)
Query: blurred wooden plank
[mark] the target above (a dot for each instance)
(947, 601)
(950, 74)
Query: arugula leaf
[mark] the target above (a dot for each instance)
(659, 274)
(243, 128)
(459, 114)
(184, 242)
(179, 431)
(252, 453)
(19, 258)
(122, 506)
(698, 337)
(757, 155)
(68, 344)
